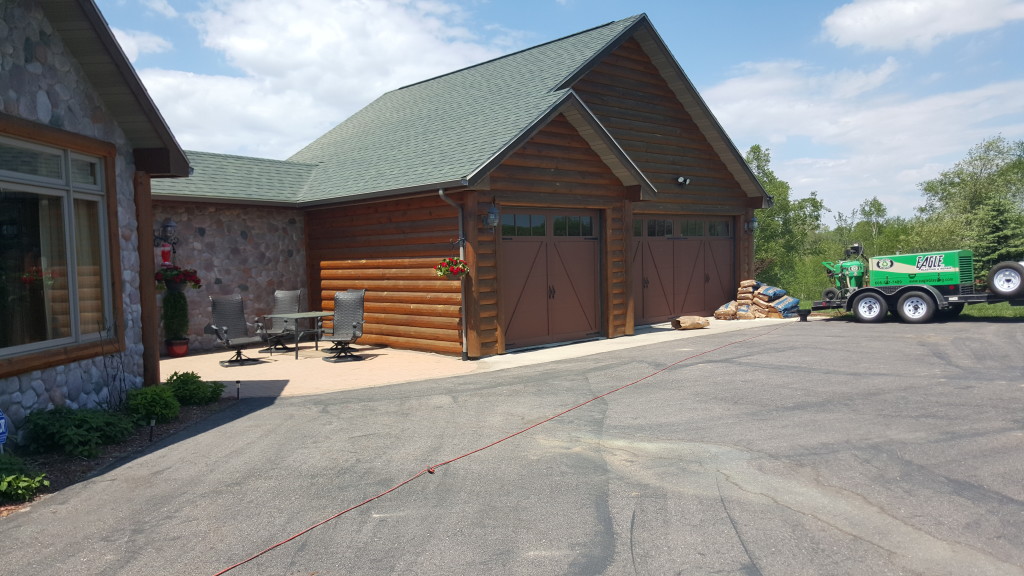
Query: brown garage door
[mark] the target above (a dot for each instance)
(549, 272)
(681, 265)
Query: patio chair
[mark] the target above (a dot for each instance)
(348, 325)
(278, 331)
(231, 328)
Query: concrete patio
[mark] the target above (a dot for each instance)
(281, 374)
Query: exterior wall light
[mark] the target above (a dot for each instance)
(751, 225)
(492, 217)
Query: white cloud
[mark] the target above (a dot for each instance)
(917, 24)
(134, 43)
(837, 134)
(161, 7)
(305, 66)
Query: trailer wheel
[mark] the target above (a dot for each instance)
(1005, 279)
(869, 308)
(916, 307)
(830, 294)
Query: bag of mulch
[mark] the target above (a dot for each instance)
(726, 311)
(771, 292)
(744, 312)
(786, 304)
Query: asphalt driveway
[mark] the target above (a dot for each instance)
(824, 447)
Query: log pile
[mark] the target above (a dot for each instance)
(756, 300)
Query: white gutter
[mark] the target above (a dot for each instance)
(462, 254)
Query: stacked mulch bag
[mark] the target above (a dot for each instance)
(757, 300)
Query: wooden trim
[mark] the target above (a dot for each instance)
(147, 289)
(52, 357)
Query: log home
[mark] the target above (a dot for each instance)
(584, 181)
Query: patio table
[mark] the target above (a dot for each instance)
(296, 316)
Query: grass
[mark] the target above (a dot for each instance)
(1001, 310)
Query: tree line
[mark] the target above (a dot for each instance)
(977, 205)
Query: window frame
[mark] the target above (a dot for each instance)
(74, 147)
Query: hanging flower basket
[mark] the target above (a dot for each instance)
(174, 277)
(452, 268)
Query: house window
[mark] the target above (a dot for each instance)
(54, 267)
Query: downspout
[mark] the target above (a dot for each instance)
(462, 254)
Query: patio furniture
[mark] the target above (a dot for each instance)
(276, 328)
(299, 333)
(348, 324)
(230, 327)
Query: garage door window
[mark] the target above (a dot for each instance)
(574, 226)
(523, 225)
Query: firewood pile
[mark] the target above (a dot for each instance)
(756, 300)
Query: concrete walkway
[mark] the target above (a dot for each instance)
(281, 374)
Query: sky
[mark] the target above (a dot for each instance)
(855, 100)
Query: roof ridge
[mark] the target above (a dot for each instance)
(635, 17)
(243, 157)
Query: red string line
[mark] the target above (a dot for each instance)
(432, 469)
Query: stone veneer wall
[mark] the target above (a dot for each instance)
(246, 250)
(43, 83)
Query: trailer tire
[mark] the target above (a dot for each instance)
(1006, 279)
(830, 294)
(869, 308)
(916, 307)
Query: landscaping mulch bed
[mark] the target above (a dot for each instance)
(63, 471)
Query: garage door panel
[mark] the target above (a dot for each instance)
(525, 287)
(657, 283)
(690, 277)
(574, 295)
(721, 286)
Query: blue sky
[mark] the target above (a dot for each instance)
(855, 99)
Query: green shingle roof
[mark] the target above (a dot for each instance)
(227, 177)
(440, 132)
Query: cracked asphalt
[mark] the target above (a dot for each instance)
(825, 447)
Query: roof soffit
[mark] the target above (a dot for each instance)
(86, 35)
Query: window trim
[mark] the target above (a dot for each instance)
(106, 153)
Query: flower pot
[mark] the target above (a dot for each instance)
(177, 348)
(175, 286)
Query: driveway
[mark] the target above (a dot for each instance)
(789, 448)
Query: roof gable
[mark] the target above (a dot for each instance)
(85, 34)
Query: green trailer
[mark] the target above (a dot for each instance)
(915, 287)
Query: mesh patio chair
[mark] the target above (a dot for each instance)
(348, 325)
(278, 331)
(231, 328)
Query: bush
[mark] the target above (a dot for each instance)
(75, 432)
(191, 390)
(11, 465)
(21, 488)
(153, 403)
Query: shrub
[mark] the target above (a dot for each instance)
(153, 403)
(75, 432)
(190, 389)
(11, 465)
(21, 488)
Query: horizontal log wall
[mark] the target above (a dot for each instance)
(389, 249)
(629, 96)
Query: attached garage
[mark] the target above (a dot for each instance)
(619, 198)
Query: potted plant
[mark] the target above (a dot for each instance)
(452, 268)
(175, 306)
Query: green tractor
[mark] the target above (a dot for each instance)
(915, 287)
